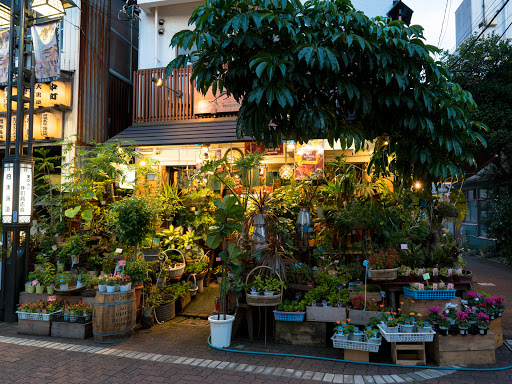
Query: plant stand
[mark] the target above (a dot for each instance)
(354, 355)
(408, 353)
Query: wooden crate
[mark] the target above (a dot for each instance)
(182, 303)
(408, 353)
(326, 314)
(71, 330)
(462, 349)
(34, 327)
(312, 334)
(353, 355)
(422, 305)
(359, 317)
(497, 328)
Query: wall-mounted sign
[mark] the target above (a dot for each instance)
(211, 104)
(45, 95)
(251, 147)
(309, 160)
(8, 185)
(25, 196)
(47, 52)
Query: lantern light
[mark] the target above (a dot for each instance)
(417, 185)
(48, 8)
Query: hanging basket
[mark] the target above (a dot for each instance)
(261, 300)
(176, 271)
(193, 286)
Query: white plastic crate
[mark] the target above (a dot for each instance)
(363, 345)
(405, 337)
(34, 316)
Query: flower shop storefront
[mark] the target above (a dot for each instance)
(329, 252)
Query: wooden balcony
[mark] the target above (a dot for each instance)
(153, 104)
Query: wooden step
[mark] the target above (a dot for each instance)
(408, 353)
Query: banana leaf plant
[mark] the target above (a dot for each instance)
(228, 215)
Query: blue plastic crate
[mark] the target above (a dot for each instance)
(419, 295)
(289, 316)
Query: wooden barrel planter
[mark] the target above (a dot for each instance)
(114, 316)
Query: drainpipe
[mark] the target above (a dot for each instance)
(156, 37)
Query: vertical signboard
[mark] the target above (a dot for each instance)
(8, 185)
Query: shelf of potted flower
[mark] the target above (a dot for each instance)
(462, 321)
(482, 322)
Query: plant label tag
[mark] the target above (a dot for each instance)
(54, 247)
(426, 276)
(188, 247)
(403, 246)
(52, 298)
(34, 282)
(119, 250)
(383, 294)
(121, 263)
(217, 259)
(365, 263)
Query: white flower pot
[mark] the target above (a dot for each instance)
(124, 288)
(406, 328)
(79, 284)
(111, 288)
(102, 288)
(269, 293)
(64, 287)
(220, 330)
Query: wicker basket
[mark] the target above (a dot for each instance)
(260, 300)
(193, 286)
(174, 272)
(384, 274)
(166, 311)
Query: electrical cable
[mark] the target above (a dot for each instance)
(481, 33)
(451, 368)
(442, 24)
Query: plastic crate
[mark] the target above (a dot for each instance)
(405, 337)
(447, 294)
(34, 316)
(362, 345)
(289, 316)
(59, 318)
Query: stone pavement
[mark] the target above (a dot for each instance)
(177, 352)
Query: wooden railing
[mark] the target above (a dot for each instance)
(152, 103)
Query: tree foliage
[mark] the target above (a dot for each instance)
(325, 70)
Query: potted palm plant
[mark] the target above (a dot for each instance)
(228, 215)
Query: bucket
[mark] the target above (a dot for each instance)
(114, 316)
(200, 285)
(220, 330)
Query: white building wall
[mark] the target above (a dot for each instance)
(469, 19)
(70, 40)
(154, 50)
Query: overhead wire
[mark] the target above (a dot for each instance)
(442, 24)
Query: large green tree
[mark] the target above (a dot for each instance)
(324, 70)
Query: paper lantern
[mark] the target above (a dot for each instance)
(35, 128)
(3, 128)
(2, 105)
(60, 93)
(51, 125)
(42, 95)
(4, 100)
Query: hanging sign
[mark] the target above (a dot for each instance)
(47, 52)
(4, 56)
(309, 160)
(25, 196)
(251, 147)
(210, 104)
(8, 185)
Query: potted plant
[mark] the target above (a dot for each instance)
(372, 335)
(392, 324)
(339, 330)
(137, 270)
(383, 265)
(136, 219)
(423, 326)
(95, 263)
(112, 282)
(151, 302)
(228, 215)
(272, 284)
(311, 240)
(443, 324)
(125, 283)
(83, 279)
(62, 279)
(406, 324)
(108, 264)
(357, 334)
(482, 322)
(102, 283)
(462, 322)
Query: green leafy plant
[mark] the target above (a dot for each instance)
(137, 269)
(178, 290)
(292, 306)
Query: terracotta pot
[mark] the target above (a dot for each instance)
(138, 294)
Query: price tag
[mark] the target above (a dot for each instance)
(188, 247)
(403, 246)
(54, 247)
(34, 282)
(121, 263)
(426, 276)
(119, 250)
(52, 298)
(217, 259)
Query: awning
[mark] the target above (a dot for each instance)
(201, 131)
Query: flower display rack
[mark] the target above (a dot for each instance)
(35, 316)
(289, 316)
(405, 337)
(444, 294)
(358, 345)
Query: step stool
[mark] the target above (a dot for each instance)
(408, 353)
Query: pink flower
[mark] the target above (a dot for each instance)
(450, 272)
(435, 271)
(434, 309)
(420, 271)
(434, 287)
(421, 287)
(442, 285)
(450, 286)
